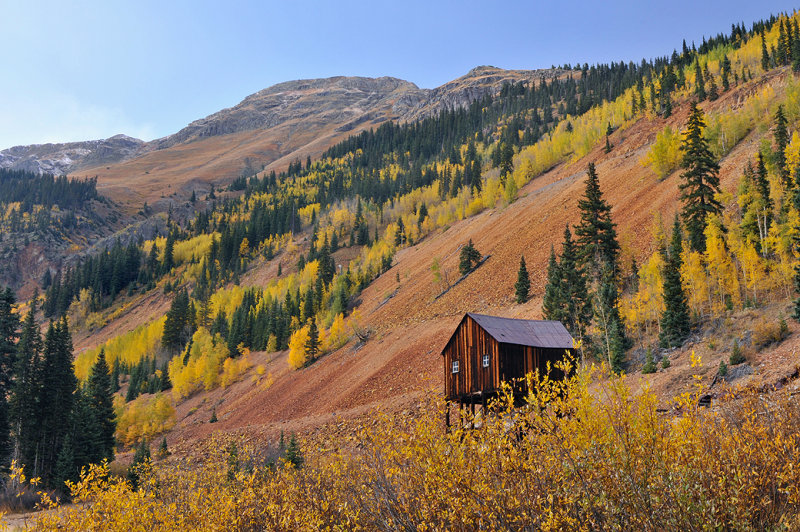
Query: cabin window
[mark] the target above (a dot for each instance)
(485, 361)
(455, 366)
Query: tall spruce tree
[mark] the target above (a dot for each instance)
(56, 395)
(312, 344)
(796, 54)
(599, 253)
(25, 412)
(566, 297)
(700, 84)
(9, 332)
(523, 285)
(577, 300)
(596, 233)
(701, 181)
(65, 468)
(781, 141)
(100, 401)
(468, 258)
(177, 327)
(762, 187)
(675, 322)
(553, 300)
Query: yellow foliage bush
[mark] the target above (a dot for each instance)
(664, 155)
(298, 357)
(768, 332)
(144, 417)
(130, 347)
(202, 368)
(195, 247)
(337, 335)
(233, 368)
(581, 455)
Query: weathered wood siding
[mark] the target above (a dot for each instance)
(468, 345)
(506, 361)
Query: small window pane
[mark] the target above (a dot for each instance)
(485, 361)
(455, 366)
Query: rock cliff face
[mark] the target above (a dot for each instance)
(290, 120)
(64, 158)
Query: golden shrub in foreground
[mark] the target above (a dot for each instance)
(573, 458)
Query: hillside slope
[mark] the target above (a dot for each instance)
(401, 362)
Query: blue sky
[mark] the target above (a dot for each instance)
(82, 70)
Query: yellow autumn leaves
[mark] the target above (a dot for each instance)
(579, 454)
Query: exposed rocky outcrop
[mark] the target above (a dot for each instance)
(66, 157)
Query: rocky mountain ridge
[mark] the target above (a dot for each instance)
(306, 115)
(62, 158)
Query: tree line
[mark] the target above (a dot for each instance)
(49, 422)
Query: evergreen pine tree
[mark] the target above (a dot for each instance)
(599, 252)
(9, 331)
(736, 356)
(26, 415)
(764, 53)
(781, 141)
(523, 285)
(725, 72)
(700, 84)
(312, 344)
(100, 401)
(140, 457)
(177, 325)
(796, 314)
(712, 88)
(553, 307)
(65, 464)
(399, 235)
(762, 186)
(575, 292)
(596, 233)
(649, 363)
(796, 54)
(165, 384)
(701, 181)
(468, 258)
(675, 318)
(293, 453)
(168, 261)
(163, 451)
(55, 397)
(566, 297)
(616, 344)
(115, 375)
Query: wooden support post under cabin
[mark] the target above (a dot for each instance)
(447, 418)
(472, 408)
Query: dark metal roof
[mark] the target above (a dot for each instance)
(533, 333)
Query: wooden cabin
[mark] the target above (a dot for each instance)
(487, 350)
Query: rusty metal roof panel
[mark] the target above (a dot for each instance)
(533, 333)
